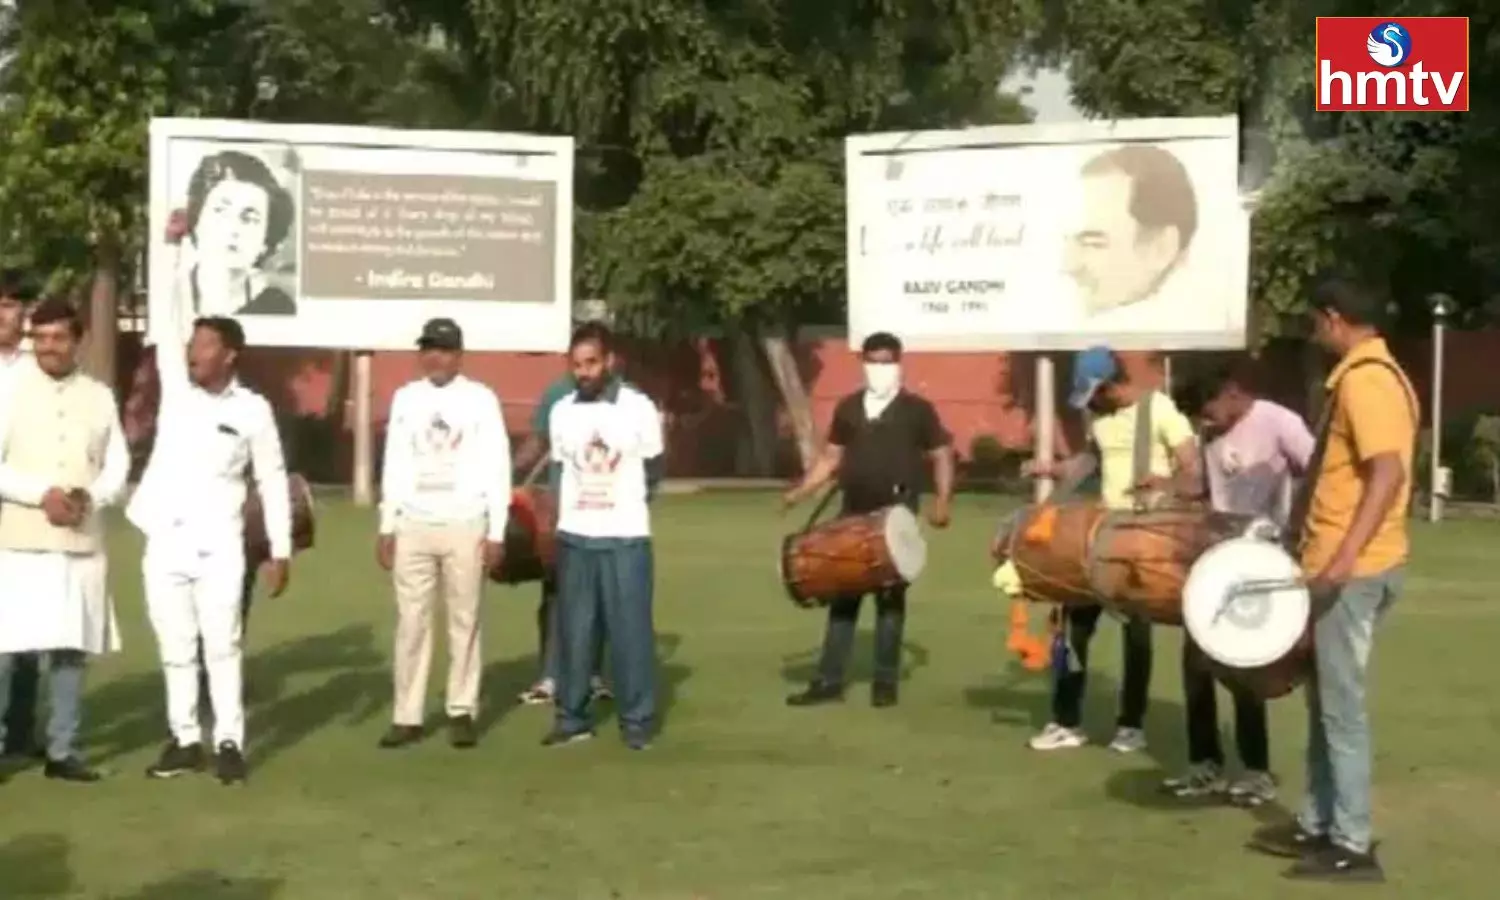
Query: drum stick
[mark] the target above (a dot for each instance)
(822, 505)
(537, 468)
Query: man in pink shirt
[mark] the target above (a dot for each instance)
(1253, 450)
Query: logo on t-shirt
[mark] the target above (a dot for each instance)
(437, 447)
(595, 465)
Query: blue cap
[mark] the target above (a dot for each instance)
(1091, 368)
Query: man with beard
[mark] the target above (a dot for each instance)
(1138, 435)
(63, 460)
(606, 438)
(882, 441)
(16, 293)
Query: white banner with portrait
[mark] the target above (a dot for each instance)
(1131, 234)
(351, 237)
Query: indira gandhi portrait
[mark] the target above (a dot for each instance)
(238, 216)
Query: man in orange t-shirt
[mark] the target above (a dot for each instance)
(1353, 545)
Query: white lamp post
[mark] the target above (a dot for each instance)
(1442, 307)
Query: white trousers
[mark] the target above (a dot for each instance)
(193, 593)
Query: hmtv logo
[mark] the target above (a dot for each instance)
(1376, 64)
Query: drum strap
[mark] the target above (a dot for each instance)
(1140, 463)
(1302, 502)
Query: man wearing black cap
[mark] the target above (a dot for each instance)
(445, 495)
(16, 293)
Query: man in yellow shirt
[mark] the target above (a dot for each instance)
(1129, 454)
(1353, 545)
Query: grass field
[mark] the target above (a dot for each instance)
(741, 797)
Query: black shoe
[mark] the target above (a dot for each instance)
(177, 760)
(882, 694)
(71, 769)
(560, 738)
(400, 736)
(229, 764)
(1287, 840)
(462, 733)
(637, 740)
(816, 694)
(1335, 863)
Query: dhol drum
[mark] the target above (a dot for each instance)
(1246, 607)
(853, 555)
(530, 538)
(1133, 562)
(304, 524)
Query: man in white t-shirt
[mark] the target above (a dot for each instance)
(445, 498)
(606, 439)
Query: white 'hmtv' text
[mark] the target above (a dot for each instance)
(1356, 87)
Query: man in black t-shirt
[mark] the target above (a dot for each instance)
(880, 445)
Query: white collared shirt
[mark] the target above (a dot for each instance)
(207, 447)
(447, 457)
(603, 447)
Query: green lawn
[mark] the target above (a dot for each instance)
(741, 797)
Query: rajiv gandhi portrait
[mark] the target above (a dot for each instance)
(1139, 215)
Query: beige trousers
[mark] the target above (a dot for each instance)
(435, 561)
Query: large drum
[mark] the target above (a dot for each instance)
(1220, 575)
(853, 555)
(1134, 562)
(304, 526)
(530, 537)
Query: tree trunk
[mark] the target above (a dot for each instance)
(759, 407)
(101, 344)
(788, 378)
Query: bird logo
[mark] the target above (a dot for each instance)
(1389, 44)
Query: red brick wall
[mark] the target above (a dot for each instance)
(976, 393)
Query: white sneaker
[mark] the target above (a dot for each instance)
(539, 694)
(1253, 789)
(1128, 740)
(1058, 737)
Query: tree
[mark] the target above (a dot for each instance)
(1401, 198)
(711, 133)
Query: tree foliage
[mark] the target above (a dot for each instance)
(711, 132)
(1402, 198)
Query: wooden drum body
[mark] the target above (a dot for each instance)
(304, 525)
(853, 555)
(530, 538)
(1141, 564)
(1136, 563)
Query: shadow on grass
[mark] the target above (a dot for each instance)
(504, 679)
(802, 668)
(35, 866)
(128, 714)
(205, 885)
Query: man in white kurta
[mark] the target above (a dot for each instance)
(63, 459)
(211, 432)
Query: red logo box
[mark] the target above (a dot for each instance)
(1422, 65)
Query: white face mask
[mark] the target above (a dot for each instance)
(882, 380)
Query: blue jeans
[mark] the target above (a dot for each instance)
(606, 584)
(65, 670)
(547, 634)
(1338, 734)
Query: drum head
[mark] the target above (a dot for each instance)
(1243, 605)
(904, 542)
